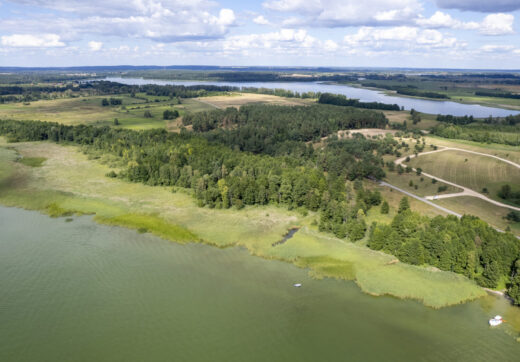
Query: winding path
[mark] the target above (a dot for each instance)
(465, 191)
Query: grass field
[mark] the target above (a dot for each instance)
(473, 171)
(511, 153)
(427, 120)
(88, 110)
(418, 187)
(495, 215)
(69, 182)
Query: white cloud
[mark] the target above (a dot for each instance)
(493, 48)
(118, 8)
(497, 24)
(402, 37)
(443, 20)
(159, 20)
(285, 38)
(330, 46)
(95, 45)
(493, 24)
(260, 20)
(485, 6)
(32, 41)
(299, 6)
(342, 13)
(226, 17)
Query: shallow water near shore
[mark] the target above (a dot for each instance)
(82, 291)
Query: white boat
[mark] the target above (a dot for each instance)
(297, 285)
(493, 322)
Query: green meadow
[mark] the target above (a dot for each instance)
(89, 110)
(473, 171)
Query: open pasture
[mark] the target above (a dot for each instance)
(473, 171)
(507, 152)
(494, 215)
(89, 110)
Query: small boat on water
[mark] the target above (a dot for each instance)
(493, 322)
(297, 285)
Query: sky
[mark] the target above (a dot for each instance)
(477, 34)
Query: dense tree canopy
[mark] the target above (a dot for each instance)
(466, 246)
(278, 130)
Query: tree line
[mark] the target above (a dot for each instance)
(341, 100)
(219, 176)
(279, 130)
(465, 246)
(408, 90)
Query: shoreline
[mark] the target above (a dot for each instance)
(83, 188)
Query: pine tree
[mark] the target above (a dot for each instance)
(385, 208)
(403, 205)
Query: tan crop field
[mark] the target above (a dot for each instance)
(239, 99)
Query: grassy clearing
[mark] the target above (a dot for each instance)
(88, 110)
(427, 120)
(32, 161)
(469, 170)
(494, 215)
(511, 153)
(420, 185)
(69, 182)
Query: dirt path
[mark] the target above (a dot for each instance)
(208, 103)
(466, 191)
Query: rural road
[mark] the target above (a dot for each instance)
(465, 191)
(448, 211)
(382, 183)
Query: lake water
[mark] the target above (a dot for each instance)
(78, 291)
(365, 95)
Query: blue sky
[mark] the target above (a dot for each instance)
(385, 33)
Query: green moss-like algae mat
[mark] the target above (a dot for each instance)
(69, 182)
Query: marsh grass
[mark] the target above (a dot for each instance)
(151, 223)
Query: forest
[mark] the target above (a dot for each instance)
(219, 176)
(480, 132)
(465, 246)
(497, 94)
(341, 100)
(408, 90)
(279, 130)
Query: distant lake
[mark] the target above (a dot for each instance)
(364, 95)
(79, 291)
